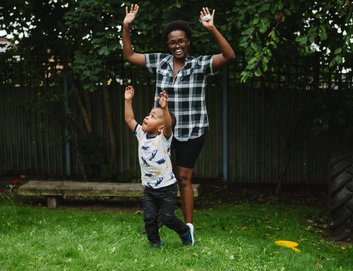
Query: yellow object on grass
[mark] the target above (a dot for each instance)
(288, 244)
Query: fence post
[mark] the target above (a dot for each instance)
(67, 143)
(225, 122)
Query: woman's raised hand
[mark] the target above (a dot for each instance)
(130, 15)
(206, 17)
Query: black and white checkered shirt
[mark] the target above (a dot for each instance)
(186, 94)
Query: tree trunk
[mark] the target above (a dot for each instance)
(87, 102)
(87, 119)
(84, 112)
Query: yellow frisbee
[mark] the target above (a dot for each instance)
(288, 244)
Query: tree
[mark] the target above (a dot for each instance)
(81, 38)
(258, 29)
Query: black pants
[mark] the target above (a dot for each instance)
(162, 201)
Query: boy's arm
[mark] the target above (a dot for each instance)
(168, 123)
(227, 53)
(128, 52)
(167, 130)
(129, 113)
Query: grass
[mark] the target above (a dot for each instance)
(228, 237)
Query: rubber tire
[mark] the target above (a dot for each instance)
(341, 197)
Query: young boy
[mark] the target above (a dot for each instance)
(154, 138)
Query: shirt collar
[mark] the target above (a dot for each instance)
(170, 61)
(150, 137)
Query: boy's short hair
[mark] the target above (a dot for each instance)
(176, 25)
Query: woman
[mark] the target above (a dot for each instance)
(184, 79)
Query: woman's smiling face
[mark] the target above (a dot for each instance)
(178, 44)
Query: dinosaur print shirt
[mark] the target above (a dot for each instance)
(154, 159)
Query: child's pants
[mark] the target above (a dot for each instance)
(162, 201)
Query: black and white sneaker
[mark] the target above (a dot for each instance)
(188, 238)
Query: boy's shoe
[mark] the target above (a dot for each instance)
(156, 245)
(188, 238)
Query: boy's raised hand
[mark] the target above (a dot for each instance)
(163, 99)
(129, 93)
(130, 15)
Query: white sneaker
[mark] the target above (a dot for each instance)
(191, 233)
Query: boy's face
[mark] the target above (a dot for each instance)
(153, 122)
(178, 43)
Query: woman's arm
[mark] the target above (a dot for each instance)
(128, 52)
(227, 53)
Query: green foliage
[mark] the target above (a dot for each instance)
(88, 33)
(328, 30)
(92, 28)
(268, 27)
(89, 68)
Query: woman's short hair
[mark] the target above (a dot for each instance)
(176, 25)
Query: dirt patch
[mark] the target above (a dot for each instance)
(221, 192)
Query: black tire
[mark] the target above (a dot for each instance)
(341, 197)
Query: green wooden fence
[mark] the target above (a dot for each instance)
(259, 116)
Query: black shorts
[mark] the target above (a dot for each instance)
(186, 152)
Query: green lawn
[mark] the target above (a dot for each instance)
(228, 237)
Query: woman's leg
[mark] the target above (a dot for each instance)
(184, 176)
(186, 154)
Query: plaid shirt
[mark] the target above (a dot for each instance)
(186, 93)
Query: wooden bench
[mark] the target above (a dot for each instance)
(52, 190)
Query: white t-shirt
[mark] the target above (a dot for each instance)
(154, 159)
